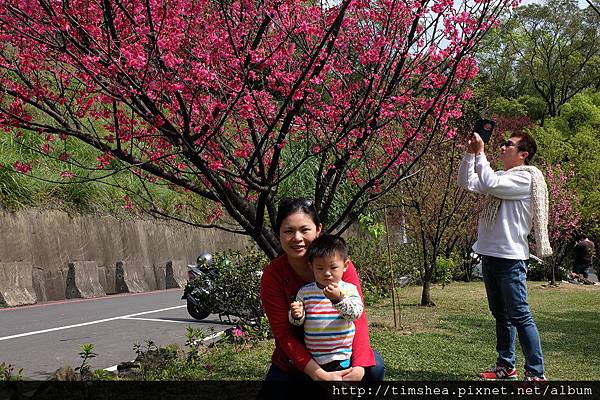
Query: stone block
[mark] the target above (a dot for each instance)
(39, 284)
(83, 280)
(111, 278)
(160, 272)
(150, 277)
(176, 274)
(16, 284)
(102, 278)
(129, 278)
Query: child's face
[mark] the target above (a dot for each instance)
(329, 269)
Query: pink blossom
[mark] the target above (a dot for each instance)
(215, 164)
(67, 175)
(346, 86)
(127, 203)
(22, 167)
(104, 160)
(237, 332)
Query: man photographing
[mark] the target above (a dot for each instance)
(516, 200)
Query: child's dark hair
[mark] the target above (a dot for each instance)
(327, 245)
(291, 205)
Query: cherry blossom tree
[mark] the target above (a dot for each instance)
(240, 101)
(564, 217)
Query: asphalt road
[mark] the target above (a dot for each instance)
(43, 337)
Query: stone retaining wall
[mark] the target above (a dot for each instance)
(50, 241)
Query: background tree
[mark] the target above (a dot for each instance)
(542, 55)
(232, 101)
(572, 139)
(438, 213)
(594, 6)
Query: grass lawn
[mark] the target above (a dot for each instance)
(456, 339)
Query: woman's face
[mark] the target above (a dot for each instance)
(296, 233)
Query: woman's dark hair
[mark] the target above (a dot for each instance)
(326, 246)
(526, 143)
(291, 205)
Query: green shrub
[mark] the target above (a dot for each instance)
(235, 289)
(543, 272)
(370, 257)
(445, 268)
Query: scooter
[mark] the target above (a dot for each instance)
(198, 296)
(210, 291)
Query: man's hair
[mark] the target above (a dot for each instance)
(526, 143)
(327, 245)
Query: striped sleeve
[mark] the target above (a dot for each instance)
(351, 306)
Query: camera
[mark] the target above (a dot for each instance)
(485, 127)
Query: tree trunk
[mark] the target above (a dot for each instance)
(425, 295)
(267, 242)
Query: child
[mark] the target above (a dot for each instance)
(328, 306)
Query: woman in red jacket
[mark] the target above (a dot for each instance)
(298, 225)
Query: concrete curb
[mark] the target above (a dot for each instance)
(16, 284)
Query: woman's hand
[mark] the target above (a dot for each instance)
(354, 374)
(317, 373)
(335, 375)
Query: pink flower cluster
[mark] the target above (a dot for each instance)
(237, 95)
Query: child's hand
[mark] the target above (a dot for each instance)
(333, 292)
(297, 309)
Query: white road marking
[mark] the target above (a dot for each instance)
(158, 320)
(86, 323)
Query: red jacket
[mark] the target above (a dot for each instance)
(278, 288)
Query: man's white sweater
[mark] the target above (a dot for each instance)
(507, 238)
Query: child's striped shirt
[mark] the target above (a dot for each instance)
(328, 327)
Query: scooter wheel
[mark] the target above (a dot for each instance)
(197, 312)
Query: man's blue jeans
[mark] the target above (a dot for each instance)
(505, 284)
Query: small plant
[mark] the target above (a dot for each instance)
(194, 341)
(239, 337)
(102, 375)
(153, 359)
(149, 347)
(7, 373)
(444, 270)
(86, 353)
(258, 330)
